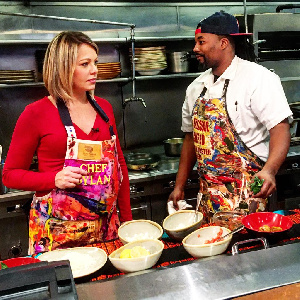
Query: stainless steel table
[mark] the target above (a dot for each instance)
(219, 277)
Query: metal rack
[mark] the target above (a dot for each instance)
(132, 40)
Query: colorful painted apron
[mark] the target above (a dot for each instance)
(225, 164)
(87, 213)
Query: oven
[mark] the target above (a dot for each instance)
(276, 38)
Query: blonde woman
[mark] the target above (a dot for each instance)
(82, 176)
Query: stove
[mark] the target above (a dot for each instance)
(295, 141)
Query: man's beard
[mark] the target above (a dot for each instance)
(203, 65)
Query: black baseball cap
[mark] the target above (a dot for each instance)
(220, 23)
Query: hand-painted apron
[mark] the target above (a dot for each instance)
(225, 164)
(87, 213)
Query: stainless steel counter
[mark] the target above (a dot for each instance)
(219, 277)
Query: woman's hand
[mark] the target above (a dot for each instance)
(69, 177)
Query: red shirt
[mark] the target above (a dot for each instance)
(40, 130)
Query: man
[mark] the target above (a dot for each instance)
(235, 116)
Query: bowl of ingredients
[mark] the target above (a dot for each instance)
(267, 223)
(228, 219)
(137, 256)
(203, 242)
(17, 261)
(181, 223)
(139, 230)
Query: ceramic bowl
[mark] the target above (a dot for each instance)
(181, 223)
(267, 224)
(126, 265)
(139, 230)
(200, 243)
(228, 219)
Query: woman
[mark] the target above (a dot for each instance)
(82, 175)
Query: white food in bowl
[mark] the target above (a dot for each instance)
(181, 223)
(195, 243)
(155, 248)
(139, 230)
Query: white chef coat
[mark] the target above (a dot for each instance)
(255, 98)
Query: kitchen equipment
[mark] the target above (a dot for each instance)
(181, 223)
(280, 56)
(41, 280)
(178, 62)
(173, 146)
(267, 224)
(83, 260)
(230, 233)
(242, 275)
(127, 265)
(139, 230)
(142, 161)
(202, 242)
(228, 219)
(235, 246)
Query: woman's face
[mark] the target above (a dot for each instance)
(85, 74)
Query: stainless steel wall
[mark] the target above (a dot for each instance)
(162, 117)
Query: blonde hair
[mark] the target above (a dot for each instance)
(60, 61)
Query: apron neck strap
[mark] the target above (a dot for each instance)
(101, 112)
(67, 121)
(225, 88)
(203, 92)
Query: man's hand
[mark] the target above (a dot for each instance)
(175, 196)
(278, 149)
(269, 184)
(186, 164)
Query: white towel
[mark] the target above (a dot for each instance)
(181, 204)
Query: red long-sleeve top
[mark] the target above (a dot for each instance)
(40, 130)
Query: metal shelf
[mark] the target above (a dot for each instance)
(48, 40)
(113, 80)
(167, 76)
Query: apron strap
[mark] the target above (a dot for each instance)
(67, 121)
(225, 88)
(203, 92)
(66, 118)
(101, 112)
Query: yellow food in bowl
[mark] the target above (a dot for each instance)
(126, 253)
(135, 252)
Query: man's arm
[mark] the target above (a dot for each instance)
(278, 148)
(186, 164)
